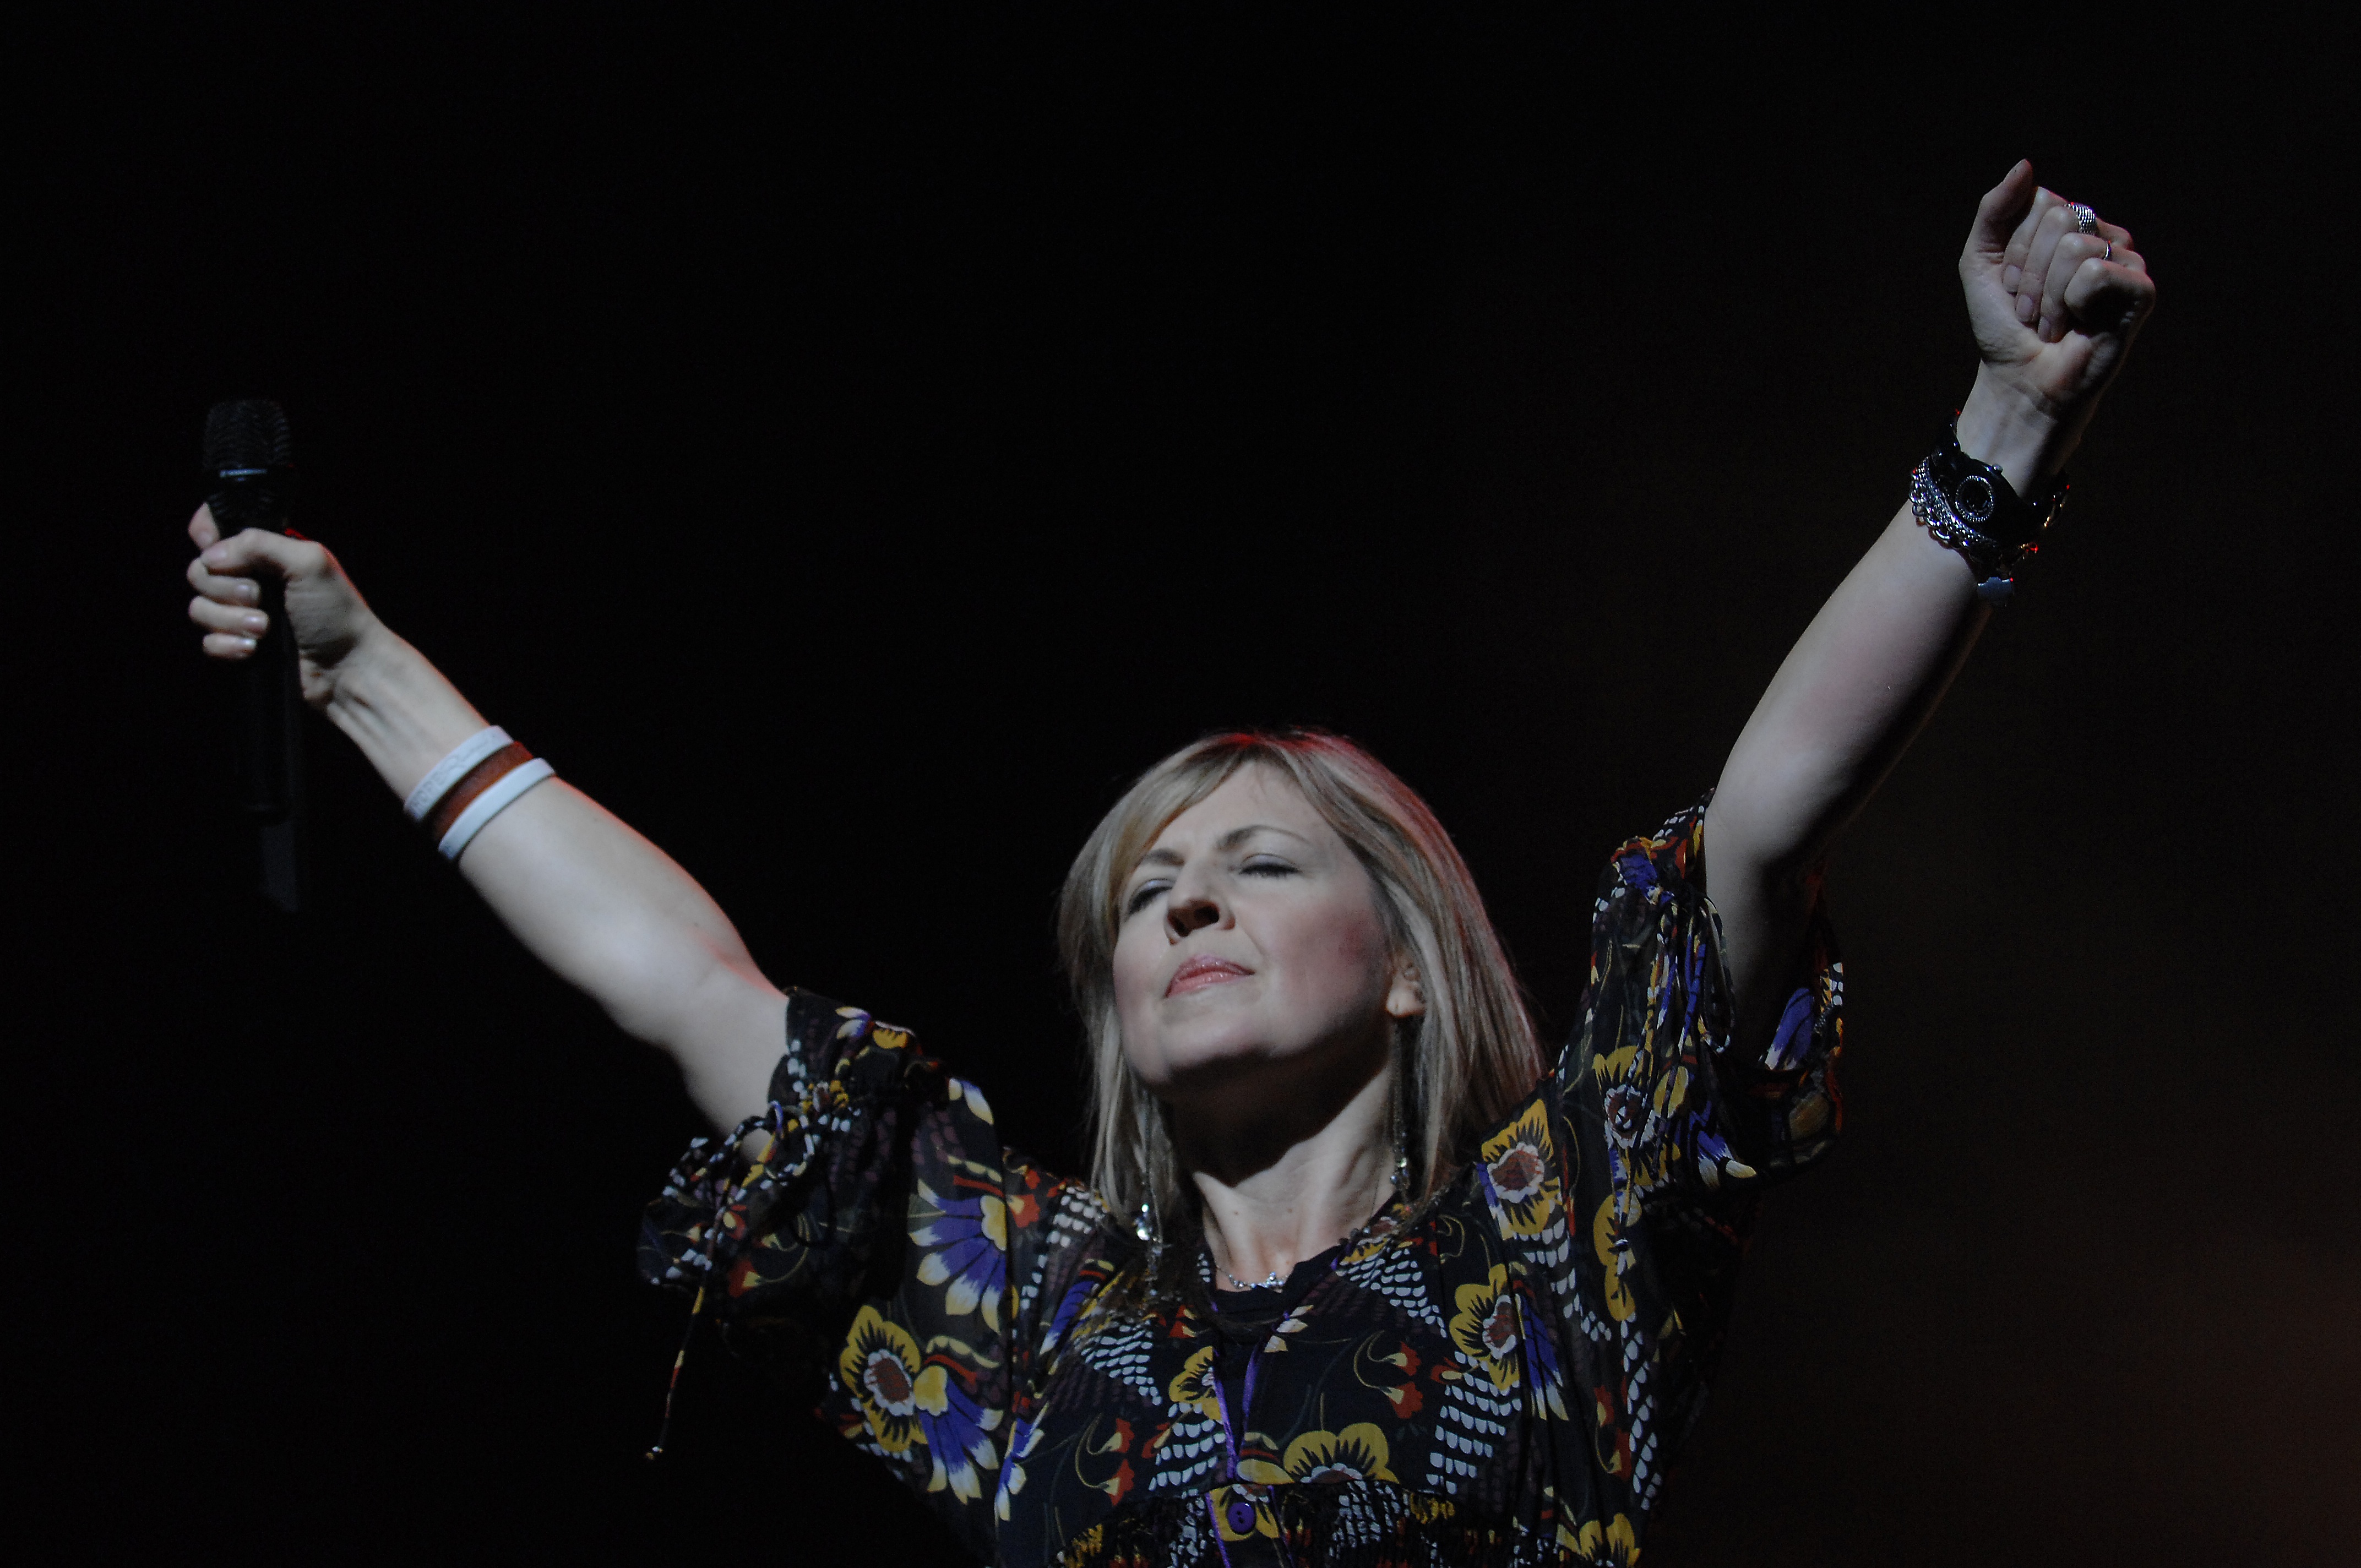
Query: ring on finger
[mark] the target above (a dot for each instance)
(2086, 221)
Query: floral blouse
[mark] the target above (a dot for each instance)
(1501, 1379)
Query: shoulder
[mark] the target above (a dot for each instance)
(1667, 865)
(847, 1049)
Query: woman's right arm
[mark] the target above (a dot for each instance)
(609, 912)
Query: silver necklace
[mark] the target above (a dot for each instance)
(1273, 1280)
(1150, 1231)
(1272, 1283)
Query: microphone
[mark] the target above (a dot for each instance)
(249, 482)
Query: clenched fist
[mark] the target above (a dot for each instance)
(2055, 295)
(326, 614)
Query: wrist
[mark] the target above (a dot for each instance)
(366, 674)
(2014, 433)
(397, 707)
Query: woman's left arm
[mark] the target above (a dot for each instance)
(2054, 311)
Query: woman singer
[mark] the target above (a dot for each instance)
(1359, 1273)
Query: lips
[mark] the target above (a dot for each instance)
(1202, 971)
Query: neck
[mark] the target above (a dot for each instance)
(1276, 1189)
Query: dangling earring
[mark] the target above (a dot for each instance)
(1144, 1227)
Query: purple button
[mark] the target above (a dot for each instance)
(1242, 1518)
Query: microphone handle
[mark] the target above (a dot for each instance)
(249, 467)
(272, 752)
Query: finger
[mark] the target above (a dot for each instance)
(2111, 296)
(2020, 241)
(2055, 224)
(228, 618)
(2073, 252)
(203, 529)
(222, 645)
(1998, 214)
(225, 589)
(259, 548)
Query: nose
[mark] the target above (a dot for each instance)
(1190, 908)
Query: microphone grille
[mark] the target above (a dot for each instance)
(246, 434)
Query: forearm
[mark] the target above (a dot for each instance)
(1849, 700)
(2055, 295)
(398, 708)
(605, 909)
(1845, 704)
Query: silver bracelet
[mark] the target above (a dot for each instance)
(1995, 565)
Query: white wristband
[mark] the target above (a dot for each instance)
(451, 770)
(492, 802)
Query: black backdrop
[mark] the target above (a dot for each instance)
(850, 448)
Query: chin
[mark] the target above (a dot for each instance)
(1192, 1060)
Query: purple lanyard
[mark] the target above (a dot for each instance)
(1241, 1510)
(1239, 1507)
(1222, 1403)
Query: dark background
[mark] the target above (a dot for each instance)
(851, 447)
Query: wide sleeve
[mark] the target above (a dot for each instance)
(1684, 1107)
(869, 1224)
(1625, 1188)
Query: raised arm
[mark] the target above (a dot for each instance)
(609, 912)
(2053, 311)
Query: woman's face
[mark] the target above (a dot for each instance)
(1252, 950)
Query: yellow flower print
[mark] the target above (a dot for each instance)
(1356, 1453)
(1603, 1546)
(1672, 1091)
(1520, 1166)
(1616, 1065)
(1486, 1328)
(879, 1366)
(908, 1403)
(1193, 1387)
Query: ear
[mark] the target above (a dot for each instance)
(1404, 998)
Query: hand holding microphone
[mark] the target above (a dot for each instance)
(326, 614)
(262, 594)
(247, 584)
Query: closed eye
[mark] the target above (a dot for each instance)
(1142, 897)
(1264, 865)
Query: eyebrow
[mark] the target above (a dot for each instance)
(1229, 840)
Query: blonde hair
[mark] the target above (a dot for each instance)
(1460, 1068)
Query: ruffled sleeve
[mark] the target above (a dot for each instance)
(870, 1223)
(1625, 1188)
(1684, 1106)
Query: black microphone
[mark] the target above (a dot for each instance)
(249, 483)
